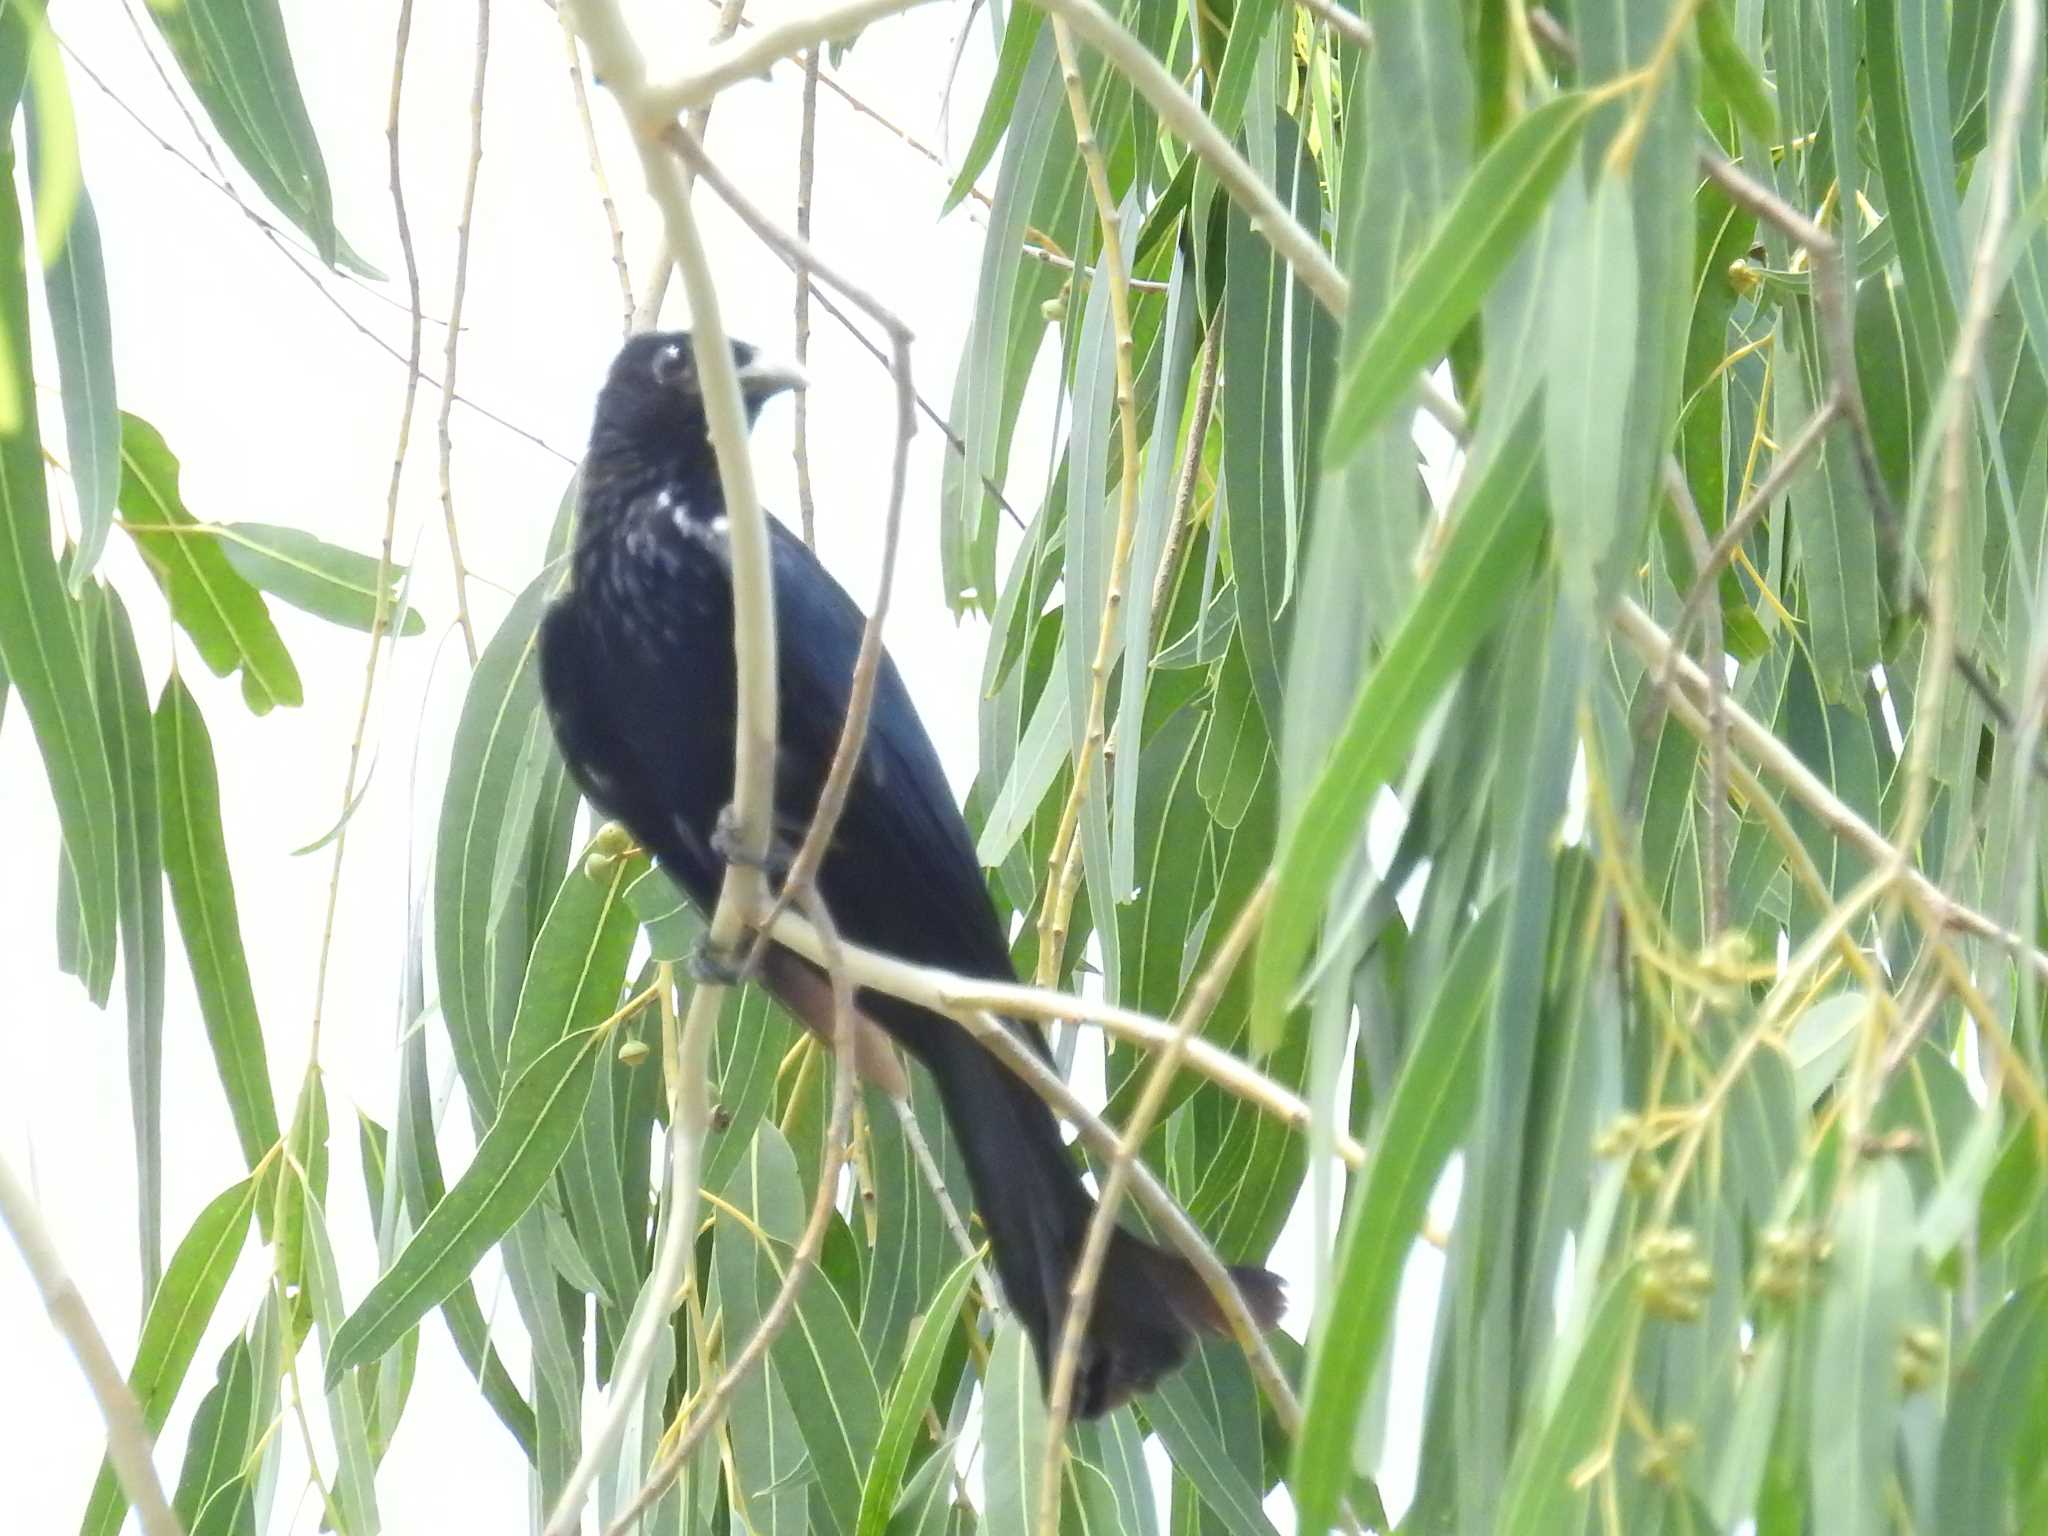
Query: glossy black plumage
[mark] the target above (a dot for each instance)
(637, 670)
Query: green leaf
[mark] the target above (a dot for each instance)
(1856, 1351)
(125, 726)
(1998, 1410)
(419, 1170)
(1425, 1120)
(1020, 37)
(1593, 305)
(1732, 71)
(903, 1416)
(330, 583)
(1206, 1415)
(818, 1356)
(216, 1493)
(479, 954)
(38, 647)
(1540, 1497)
(512, 1165)
(1489, 546)
(1013, 1434)
(578, 963)
(355, 1487)
(203, 896)
(178, 1314)
(238, 62)
(1499, 203)
(211, 601)
(75, 287)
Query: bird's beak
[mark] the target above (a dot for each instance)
(764, 377)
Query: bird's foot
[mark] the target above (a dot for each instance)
(726, 843)
(713, 965)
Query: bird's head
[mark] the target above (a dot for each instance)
(650, 413)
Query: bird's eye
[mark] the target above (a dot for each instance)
(672, 367)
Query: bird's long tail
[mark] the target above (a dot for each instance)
(1149, 1303)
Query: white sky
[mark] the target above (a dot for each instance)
(281, 412)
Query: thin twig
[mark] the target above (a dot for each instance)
(895, 130)
(128, 1436)
(1181, 1234)
(1180, 112)
(1348, 25)
(604, 186)
(698, 121)
(286, 248)
(1201, 1002)
(935, 1181)
(380, 616)
(806, 170)
(686, 1059)
(963, 997)
(853, 732)
(711, 1405)
(1713, 649)
(954, 441)
(1051, 258)
(1649, 641)
(730, 62)
(1063, 863)
(461, 285)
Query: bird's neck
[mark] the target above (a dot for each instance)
(622, 470)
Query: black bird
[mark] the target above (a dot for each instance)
(637, 670)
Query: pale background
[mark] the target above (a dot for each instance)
(281, 411)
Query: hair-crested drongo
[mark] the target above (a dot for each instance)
(636, 662)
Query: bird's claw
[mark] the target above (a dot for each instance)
(713, 965)
(727, 843)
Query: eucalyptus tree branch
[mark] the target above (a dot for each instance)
(1348, 25)
(286, 248)
(604, 187)
(1655, 647)
(381, 614)
(966, 997)
(453, 338)
(711, 1405)
(1201, 1002)
(1063, 863)
(1180, 112)
(686, 1058)
(128, 1437)
(617, 61)
(733, 61)
(806, 173)
(1180, 1233)
(801, 257)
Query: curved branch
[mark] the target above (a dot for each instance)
(128, 1437)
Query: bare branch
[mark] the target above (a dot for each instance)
(1349, 25)
(604, 186)
(1649, 641)
(806, 172)
(1063, 862)
(454, 337)
(616, 59)
(731, 62)
(711, 1405)
(128, 1436)
(1116, 1182)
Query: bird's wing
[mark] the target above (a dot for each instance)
(901, 831)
